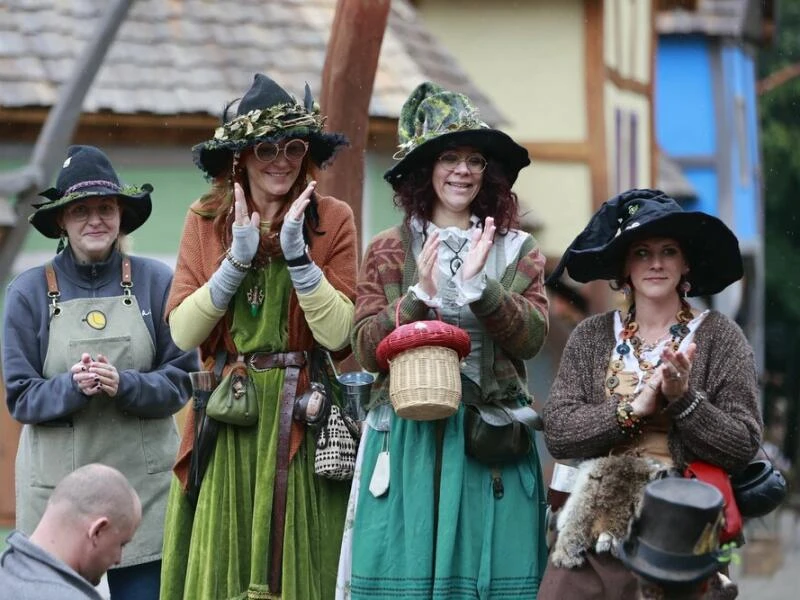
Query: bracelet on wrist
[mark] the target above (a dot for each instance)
(697, 398)
(629, 422)
(237, 264)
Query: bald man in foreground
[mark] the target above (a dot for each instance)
(92, 513)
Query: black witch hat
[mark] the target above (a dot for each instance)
(268, 113)
(598, 252)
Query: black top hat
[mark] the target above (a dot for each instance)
(433, 119)
(267, 113)
(711, 249)
(87, 172)
(674, 539)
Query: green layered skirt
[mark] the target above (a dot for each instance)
(453, 540)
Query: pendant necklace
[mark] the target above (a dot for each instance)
(456, 261)
(255, 297)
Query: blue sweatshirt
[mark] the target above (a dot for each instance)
(31, 398)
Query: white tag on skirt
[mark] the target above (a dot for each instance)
(379, 484)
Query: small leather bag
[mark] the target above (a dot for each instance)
(493, 436)
(234, 401)
(496, 433)
(759, 489)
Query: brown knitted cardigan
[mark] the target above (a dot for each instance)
(580, 421)
(200, 254)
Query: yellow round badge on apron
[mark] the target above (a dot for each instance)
(96, 319)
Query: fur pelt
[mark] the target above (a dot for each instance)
(606, 495)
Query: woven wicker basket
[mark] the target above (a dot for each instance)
(425, 383)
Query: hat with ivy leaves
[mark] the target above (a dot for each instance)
(267, 113)
(87, 172)
(433, 120)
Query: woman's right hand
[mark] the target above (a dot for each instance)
(245, 232)
(88, 383)
(427, 264)
(648, 400)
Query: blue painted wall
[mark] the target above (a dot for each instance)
(688, 124)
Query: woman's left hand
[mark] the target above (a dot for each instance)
(106, 376)
(292, 243)
(675, 370)
(479, 248)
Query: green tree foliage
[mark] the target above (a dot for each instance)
(780, 135)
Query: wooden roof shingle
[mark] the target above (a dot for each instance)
(194, 56)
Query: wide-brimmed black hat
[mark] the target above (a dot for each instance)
(433, 119)
(87, 172)
(674, 539)
(710, 247)
(267, 113)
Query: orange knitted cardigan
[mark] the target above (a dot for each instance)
(200, 254)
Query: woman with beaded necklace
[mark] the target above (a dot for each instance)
(660, 383)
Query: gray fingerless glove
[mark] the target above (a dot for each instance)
(305, 278)
(227, 278)
(292, 243)
(245, 242)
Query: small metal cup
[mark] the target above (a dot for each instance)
(356, 386)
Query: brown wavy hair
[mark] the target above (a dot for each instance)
(217, 204)
(415, 196)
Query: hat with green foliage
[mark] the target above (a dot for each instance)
(267, 113)
(87, 172)
(434, 119)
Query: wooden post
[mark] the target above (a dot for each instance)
(347, 81)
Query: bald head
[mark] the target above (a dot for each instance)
(97, 490)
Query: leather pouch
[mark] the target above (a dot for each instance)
(234, 400)
(493, 436)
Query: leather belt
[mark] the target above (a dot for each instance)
(261, 361)
(292, 362)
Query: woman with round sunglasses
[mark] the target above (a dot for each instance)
(264, 284)
(431, 514)
(89, 365)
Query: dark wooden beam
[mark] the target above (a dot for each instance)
(347, 81)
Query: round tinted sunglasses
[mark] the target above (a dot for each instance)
(293, 150)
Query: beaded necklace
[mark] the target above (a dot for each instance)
(632, 342)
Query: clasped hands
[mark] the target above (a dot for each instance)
(475, 261)
(669, 382)
(95, 376)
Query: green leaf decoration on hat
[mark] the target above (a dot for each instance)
(260, 123)
(431, 111)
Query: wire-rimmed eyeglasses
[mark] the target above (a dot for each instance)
(475, 162)
(293, 150)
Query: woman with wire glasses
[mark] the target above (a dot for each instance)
(265, 274)
(438, 510)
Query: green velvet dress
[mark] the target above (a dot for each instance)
(221, 550)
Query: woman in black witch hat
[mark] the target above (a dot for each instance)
(90, 367)
(649, 389)
(264, 281)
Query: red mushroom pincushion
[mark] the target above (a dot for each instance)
(423, 359)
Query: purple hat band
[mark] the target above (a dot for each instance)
(96, 183)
